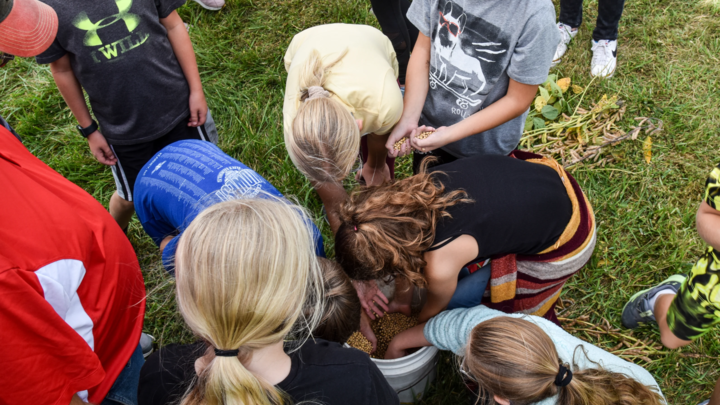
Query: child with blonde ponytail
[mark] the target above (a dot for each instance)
(246, 275)
(341, 91)
(523, 359)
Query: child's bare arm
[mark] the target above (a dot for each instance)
(512, 105)
(182, 46)
(416, 89)
(71, 91)
(441, 273)
(708, 224)
(411, 338)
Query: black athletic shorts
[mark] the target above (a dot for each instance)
(132, 158)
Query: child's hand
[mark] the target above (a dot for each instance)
(372, 299)
(100, 149)
(401, 130)
(367, 331)
(198, 109)
(395, 349)
(439, 138)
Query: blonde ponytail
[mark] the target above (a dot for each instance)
(516, 360)
(245, 270)
(325, 140)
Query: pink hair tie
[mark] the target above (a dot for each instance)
(355, 228)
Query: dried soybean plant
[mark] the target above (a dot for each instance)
(572, 136)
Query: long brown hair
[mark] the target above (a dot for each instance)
(516, 360)
(341, 317)
(386, 229)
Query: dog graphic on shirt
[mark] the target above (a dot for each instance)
(454, 69)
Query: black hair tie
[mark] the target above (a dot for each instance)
(563, 377)
(227, 353)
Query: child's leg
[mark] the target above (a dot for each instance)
(715, 398)
(684, 307)
(571, 12)
(121, 209)
(609, 13)
(668, 338)
(365, 152)
(392, 22)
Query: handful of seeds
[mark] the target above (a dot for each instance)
(402, 140)
(385, 329)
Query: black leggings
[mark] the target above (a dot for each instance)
(391, 15)
(609, 13)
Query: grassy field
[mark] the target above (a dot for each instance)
(668, 69)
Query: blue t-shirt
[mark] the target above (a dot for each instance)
(186, 177)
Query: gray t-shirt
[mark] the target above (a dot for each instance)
(120, 53)
(476, 46)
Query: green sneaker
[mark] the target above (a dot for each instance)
(638, 310)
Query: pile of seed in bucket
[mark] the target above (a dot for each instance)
(385, 329)
(423, 135)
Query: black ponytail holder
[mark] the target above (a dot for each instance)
(227, 353)
(563, 377)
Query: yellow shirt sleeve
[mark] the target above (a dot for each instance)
(392, 104)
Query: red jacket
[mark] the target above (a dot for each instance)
(72, 296)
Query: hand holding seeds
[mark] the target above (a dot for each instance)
(397, 144)
(426, 139)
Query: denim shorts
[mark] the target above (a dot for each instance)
(470, 288)
(124, 390)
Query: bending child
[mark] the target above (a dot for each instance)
(522, 359)
(135, 61)
(528, 219)
(186, 177)
(341, 87)
(686, 307)
(472, 75)
(245, 307)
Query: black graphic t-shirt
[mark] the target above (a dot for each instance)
(121, 55)
(476, 47)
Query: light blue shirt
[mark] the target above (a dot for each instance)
(450, 330)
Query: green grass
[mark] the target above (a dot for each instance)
(668, 69)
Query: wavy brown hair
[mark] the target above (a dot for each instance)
(341, 317)
(516, 360)
(386, 229)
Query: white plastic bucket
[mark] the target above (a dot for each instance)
(410, 375)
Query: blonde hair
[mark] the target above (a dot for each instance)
(325, 140)
(245, 270)
(516, 360)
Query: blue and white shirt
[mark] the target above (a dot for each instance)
(186, 177)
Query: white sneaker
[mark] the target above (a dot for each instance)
(604, 58)
(213, 5)
(566, 34)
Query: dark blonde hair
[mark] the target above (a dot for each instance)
(324, 141)
(386, 229)
(516, 360)
(341, 317)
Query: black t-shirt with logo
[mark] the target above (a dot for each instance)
(121, 55)
(322, 372)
